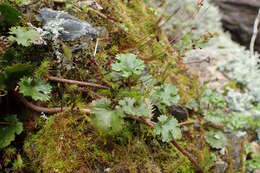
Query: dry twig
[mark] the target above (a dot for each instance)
(175, 143)
(62, 80)
(44, 109)
(255, 31)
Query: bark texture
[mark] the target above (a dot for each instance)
(238, 17)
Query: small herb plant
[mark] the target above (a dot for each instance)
(128, 65)
(35, 88)
(24, 36)
(9, 127)
(136, 104)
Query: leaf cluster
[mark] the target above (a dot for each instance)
(8, 130)
(24, 36)
(35, 88)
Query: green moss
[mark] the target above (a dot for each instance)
(67, 143)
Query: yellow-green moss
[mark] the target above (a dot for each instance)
(68, 143)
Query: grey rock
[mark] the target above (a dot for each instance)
(236, 149)
(66, 26)
(238, 17)
(220, 166)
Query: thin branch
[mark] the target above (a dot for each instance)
(187, 154)
(7, 123)
(44, 109)
(207, 59)
(139, 119)
(255, 31)
(142, 120)
(179, 147)
(189, 122)
(3, 93)
(62, 80)
(96, 47)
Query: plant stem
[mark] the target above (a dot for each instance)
(62, 80)
(44, 109)
(180, 148)
(138, 119)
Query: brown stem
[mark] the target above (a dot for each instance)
(142, 120)
(139, 119)
(180, 148)
(62, 80)
(6, 123)
(187, 123)
(44, 109)
(187, 154)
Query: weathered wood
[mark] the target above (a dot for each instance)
(238, 17)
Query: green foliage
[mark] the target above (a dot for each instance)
(35, 88)
(105, 118)
(21, 2)
(216, 118)
(8, 130)
(24, 36)
(233, 121)
(43, 70)
(18, 163)
(238, 121)
(165, 95)
(193, 104)
(128, 65)
(9, 16)
(216, 139)
(212, 98)
(254, 163)
(67, 51)
(130, 107)
(168, 128)
(11, 74)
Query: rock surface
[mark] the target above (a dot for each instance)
(238, 17)
(65, 26)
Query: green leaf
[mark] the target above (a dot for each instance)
(8, 131)
(131, 107)
(236, 121)
(9, 16)
(105, 118)
(211, 97)
(254, 163)
(166, 94)
(168, 128)
(11, 74)
(128, 65)
(35, 88)
(67, 51)
(24, 36)
(216, 139)
(18, 163)
(43, 70)
(216, 118)
(192, 104)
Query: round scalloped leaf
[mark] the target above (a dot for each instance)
(216, 139)
(37, 89)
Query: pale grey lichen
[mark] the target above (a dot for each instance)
(238, 101)
(66, 26)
